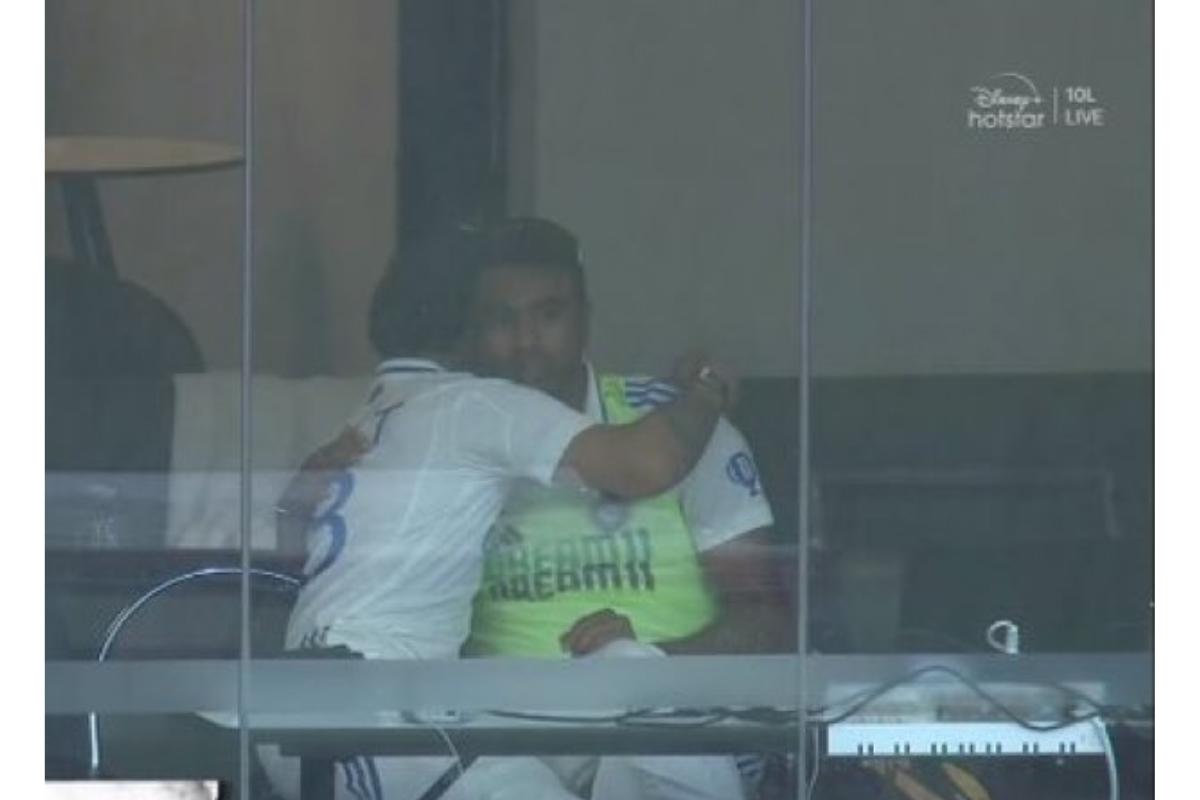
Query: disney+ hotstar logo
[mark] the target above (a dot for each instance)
(1012, 101)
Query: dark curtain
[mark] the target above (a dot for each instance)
(452, 121)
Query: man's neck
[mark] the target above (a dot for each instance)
(575, 394)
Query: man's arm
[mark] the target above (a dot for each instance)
(651, 455)
(643, 458)
(753, 613)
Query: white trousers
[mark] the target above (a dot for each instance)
(508, 778)
(522, 778)
(650, 777)
(526, 777)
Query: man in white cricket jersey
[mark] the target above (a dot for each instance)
(395, 552)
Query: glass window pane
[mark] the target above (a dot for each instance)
(144, 240)
(496, 534)
(982, 384)
(545, 194)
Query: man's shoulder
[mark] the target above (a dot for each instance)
(389, 391)
(476, 398)
(442, 384)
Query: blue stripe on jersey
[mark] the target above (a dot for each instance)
(373, 774)
(639, 384)
(752, 766)
(360, 767)
(352, 777)
(314, 639)
(641, 393)
(652, 391)
(642, 398)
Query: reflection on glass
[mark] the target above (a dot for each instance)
(604, 515)
(130, 790)
(143, 241)
(483, 237)
(530, 300)
(981, 400)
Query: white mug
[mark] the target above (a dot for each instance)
(1004, 635)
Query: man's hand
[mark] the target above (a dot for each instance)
(597, 629)
(308, 487)
(696, 368)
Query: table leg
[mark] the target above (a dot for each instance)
(316, 778)
(85, 220)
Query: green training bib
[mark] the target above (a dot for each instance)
(555, 556)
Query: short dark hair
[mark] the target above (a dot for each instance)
(534, 241)
(420, 305)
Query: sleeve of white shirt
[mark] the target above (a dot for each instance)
(523, 432)
(722, 497)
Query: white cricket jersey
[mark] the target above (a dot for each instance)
(722, 497)
(395, 551)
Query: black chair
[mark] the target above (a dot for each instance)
(99, 326)
(112, 349)
(195, 614)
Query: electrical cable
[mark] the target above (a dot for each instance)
(816, 767)
(640, 718)
(865, 698)
(439, 730)
(563, 718)
(1110, 760)
(126, 613)
(684, 721)
(696, 718)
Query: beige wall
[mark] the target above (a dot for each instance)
(941, 249)
(668, 135)
(324, 172)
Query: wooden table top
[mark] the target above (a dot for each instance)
(122, 155)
